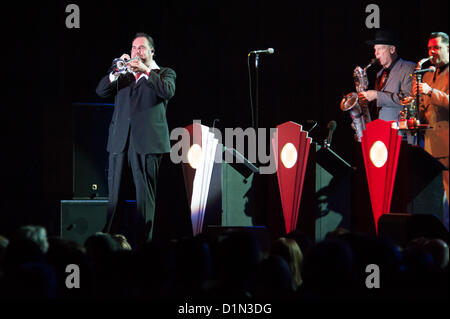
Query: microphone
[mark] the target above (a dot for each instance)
(430, 69)
(268, 51)
(331, 127)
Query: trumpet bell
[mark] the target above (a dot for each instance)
(121, 65)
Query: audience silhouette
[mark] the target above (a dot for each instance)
(222, 266)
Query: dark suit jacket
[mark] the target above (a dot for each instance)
(140, 110)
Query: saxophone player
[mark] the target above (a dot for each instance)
(393, 80)
(434, 103)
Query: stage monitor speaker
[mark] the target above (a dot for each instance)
(82, 218)
(90, 158)
(402, 228)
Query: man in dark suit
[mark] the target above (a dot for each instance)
(138, 136)
(393, 80)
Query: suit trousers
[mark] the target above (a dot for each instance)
(130, 171)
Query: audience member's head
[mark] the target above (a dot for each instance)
(273, 279)
(193, 267)
(3, 245)
(36, 234)
(289, 250)
(122, 241)
(240, 253)
(27, 274)
(100, 247)
(235, 258)
(438, 249)
(303, 240)
(3, 242)
(327, 269)
(28, 243)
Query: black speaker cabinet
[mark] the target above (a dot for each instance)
(418, 183)
(82, 218)
(90, 124)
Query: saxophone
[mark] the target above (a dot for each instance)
(359, 110)
(411, 103)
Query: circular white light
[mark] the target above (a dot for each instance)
(194, 155)
(378, 154)
(288, 155)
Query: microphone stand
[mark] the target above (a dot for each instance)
(418, 80)
(328, 148)
(257, 105)
(257, 115)
(257, 93)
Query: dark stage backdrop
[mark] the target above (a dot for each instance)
(48, 67)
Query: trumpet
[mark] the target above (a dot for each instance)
(120, 65)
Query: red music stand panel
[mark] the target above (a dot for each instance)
(291, 149)
(381, 147)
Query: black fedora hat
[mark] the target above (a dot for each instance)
(385, 36)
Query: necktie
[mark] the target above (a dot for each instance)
(379, 85)
(137, 75)
(382, 80)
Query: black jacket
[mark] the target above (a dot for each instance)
(140, 108)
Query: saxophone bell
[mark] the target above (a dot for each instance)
(349, 101)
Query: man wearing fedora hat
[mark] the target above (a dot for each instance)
(393, 81)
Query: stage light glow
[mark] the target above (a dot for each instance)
(378, 154)
(194, 155)
(289, 155)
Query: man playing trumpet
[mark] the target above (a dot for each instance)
(138, 136)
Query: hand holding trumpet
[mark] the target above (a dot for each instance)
(136, 65)
(126, 64)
